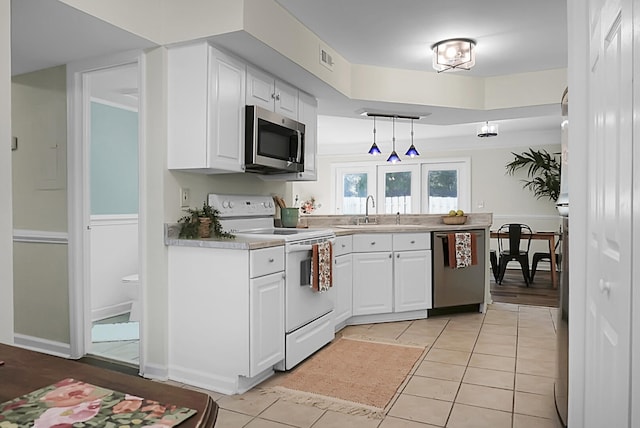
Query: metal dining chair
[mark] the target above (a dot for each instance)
(544, 256)
(514, 242)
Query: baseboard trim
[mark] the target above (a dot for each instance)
(39, 344)
(155, 371)
(110, 311)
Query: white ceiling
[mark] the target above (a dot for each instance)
(512, 36)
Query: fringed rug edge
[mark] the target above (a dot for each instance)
(326, 403)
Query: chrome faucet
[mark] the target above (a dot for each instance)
(366, 208)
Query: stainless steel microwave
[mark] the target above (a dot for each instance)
(274, 144)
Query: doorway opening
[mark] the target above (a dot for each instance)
(104, 205)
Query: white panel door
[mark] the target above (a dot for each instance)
(266, 314)
(260, 89)
(412, 280)
(607, 341)
(342, 287)
(372, 283)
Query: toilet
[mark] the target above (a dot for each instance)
(132, 285)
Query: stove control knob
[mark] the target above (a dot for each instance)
(231, 204)
(270, 204)
(225, 204)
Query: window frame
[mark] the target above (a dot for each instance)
(462, 166)
(376, 175)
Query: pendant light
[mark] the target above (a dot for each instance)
(412, 152)
(393, 157)
(374, 150)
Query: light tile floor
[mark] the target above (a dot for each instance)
(481, 370)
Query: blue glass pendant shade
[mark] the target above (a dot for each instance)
(393, 157)
(374, 150)
(412, 152)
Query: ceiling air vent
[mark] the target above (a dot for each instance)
(326, 59)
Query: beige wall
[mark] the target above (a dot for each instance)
(41, 299)
(39, 119)
(6, 221)
(502, 194)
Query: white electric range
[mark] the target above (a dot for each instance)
(309, 321)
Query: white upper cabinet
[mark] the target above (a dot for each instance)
(266, 91)
(206, 99)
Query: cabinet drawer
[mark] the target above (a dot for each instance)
(411, 241)
(371, 242)
(266, 261)
(343, 245)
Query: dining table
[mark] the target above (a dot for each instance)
(550, 237)
(23, 371)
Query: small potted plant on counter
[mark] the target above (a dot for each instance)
(202, 223)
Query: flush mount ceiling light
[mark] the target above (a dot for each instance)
(488, 130)
(393, 157)
(454, 54)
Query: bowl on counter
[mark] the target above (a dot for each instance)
(459, 219)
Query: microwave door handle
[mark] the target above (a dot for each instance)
(299, 155)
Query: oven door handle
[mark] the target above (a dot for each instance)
(295, 248)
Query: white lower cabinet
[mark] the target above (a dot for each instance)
(391, 273)
(412, 280)
(372, 283)
(343, 288)
(225, 316)
(266, 326)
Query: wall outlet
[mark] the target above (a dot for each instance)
(185, 198)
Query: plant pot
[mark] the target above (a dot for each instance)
(204, 227)
(289, 216)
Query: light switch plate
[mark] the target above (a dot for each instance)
(185, 197)
(14, 143)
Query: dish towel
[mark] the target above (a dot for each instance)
(462, 250)
(321, 267)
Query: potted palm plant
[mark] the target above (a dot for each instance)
(202, 223)
(543, 170)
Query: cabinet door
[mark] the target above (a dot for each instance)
(308, 114)
(286, 100)
(187, 80)
(266, 326)
(412, 280)
(343, 286)
(226, 112)
(372, 283)
(260, 89)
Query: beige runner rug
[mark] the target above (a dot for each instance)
(351, 376)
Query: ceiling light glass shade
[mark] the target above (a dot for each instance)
(454, 54)
(393, 157)
(374, 150)
(412, 152)
(488, 130)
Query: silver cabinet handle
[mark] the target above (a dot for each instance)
(397, 256)
(390, 255)
(373, 243)
(271, 260)
(413, 242)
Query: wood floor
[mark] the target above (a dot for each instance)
(514, 290)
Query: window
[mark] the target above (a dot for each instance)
(407, 188)
(398, 189)
(353, 187)
(445, 187)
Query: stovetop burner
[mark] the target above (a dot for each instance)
(253, 217)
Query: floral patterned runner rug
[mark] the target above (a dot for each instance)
(70, 402)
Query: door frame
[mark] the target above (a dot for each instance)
(78, 196)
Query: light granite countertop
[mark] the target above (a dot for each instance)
(341, 226)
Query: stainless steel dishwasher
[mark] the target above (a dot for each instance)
(457, 286)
